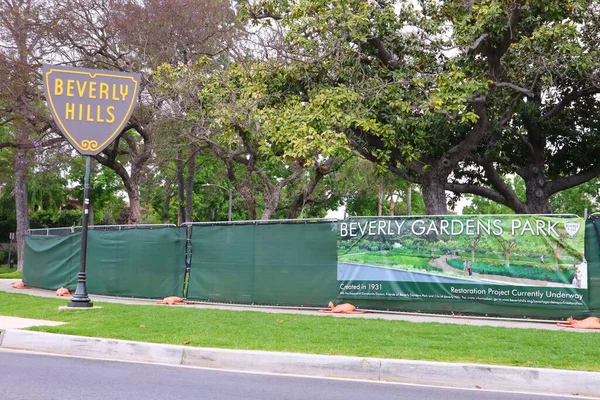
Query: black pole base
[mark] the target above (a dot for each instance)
(80, 298)
(80, 303)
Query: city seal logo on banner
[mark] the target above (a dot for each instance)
(90, 107)
(572, 228)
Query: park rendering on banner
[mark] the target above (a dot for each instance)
(529, 260)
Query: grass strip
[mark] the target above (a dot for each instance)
(317, 334)
(10, 273)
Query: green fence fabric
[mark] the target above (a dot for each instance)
(137, 262)
(52, 262)
(592, 255)
(264, 263)
(285, 264)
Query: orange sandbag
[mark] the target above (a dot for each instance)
(172, 300)
(588, 323)
(18, 285)
(344, 308)
(63, 292)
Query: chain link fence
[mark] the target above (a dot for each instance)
(66, 231)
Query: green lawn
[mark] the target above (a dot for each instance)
(9, 273)
(317, 334)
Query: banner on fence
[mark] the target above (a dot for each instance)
(502, 260)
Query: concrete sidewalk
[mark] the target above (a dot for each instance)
(530, 380)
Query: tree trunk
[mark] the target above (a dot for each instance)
(556, 256)
(271, 203)
(189, 189)
(132, 187)
(434, 194)
(135, 215)
(307, 191)
(248, 195)
(392, 203)
(297, 205)
(167, 202)
(22, 204)
(380, 201)
(131, 181)
(538, 201)
(408, 198)
(242, 186)
(180, 190)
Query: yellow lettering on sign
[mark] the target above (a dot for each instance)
(89, 113)
(124, 90)
(92, 90)
(114, 93)
(70, 87)
(88, 117)
(98, 114)
(103, 91)
(110, 111)
(81, 88)
(70, 111)
(58, 87)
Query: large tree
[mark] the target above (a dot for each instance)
(242, 115)
(457, 91)
(24, 46)
(138, 36)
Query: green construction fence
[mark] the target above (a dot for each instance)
(147, 263)
(266, 263)
(291, 264)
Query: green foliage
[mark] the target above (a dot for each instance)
(105, 186)
(8, 224)
(46, 191)
(55, 219)
(375, 257)
(577, 199)
(482, 206)
(517, 271)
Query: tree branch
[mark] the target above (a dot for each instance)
(362, 142)
(592, 90)
(462, 188)
(568, 182)
(503, 189)
(260, 15)
(526, 92)
(477, 42)
(473, 138)
(386, 57)
(495, 54)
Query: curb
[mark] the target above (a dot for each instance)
(488, 377)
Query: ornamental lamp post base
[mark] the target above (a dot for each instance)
(80, 299)
(80, 303)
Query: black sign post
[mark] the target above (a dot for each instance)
(91, 108)
(80, 297)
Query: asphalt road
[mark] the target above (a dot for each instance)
(28, 376)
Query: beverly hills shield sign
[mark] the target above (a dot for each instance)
(91, 107)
